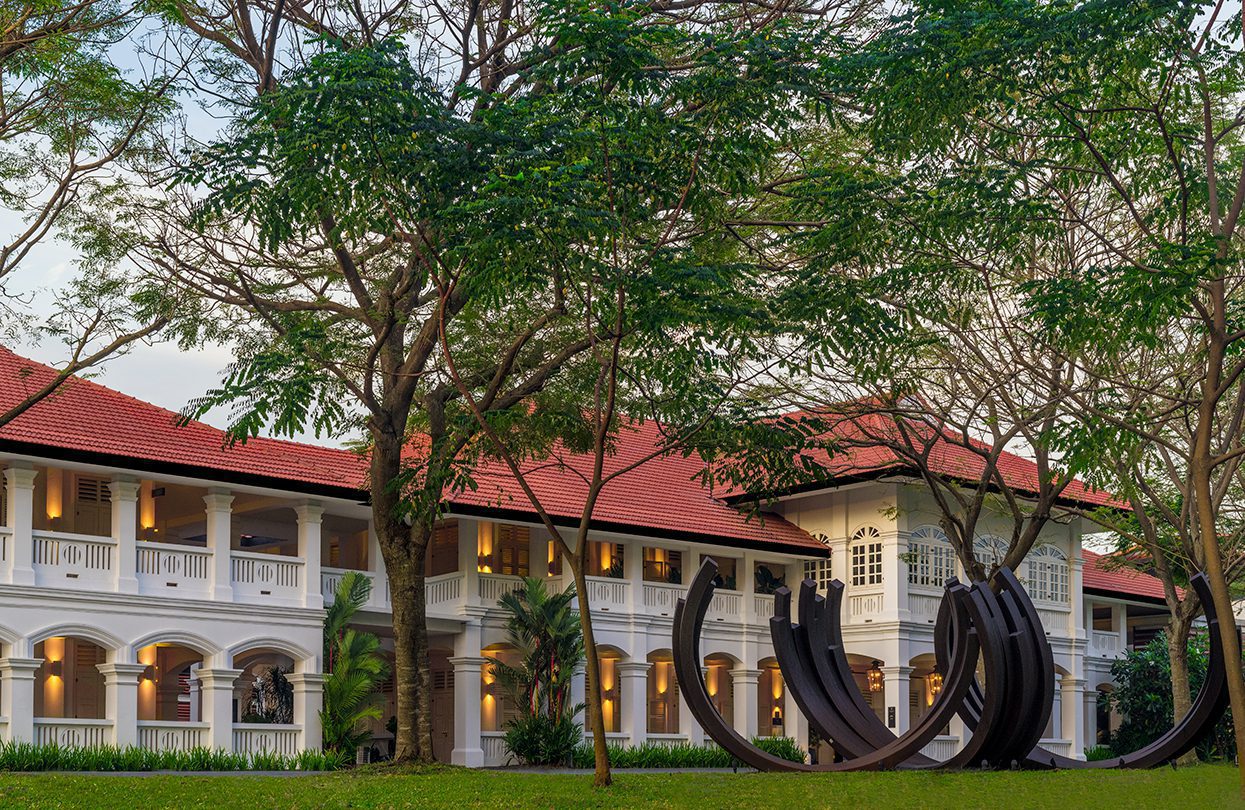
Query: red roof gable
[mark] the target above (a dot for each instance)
(84, 419)
(1124, 581)
(861, 451)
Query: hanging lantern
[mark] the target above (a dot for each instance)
(875, 677)
(935, 684)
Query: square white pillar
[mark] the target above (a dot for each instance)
(216, 689)
(310, 516)
(794, 723)
(20, 484)
(17, 697)
(125, 532)
(897, 685)
(688, 726)
(121, 700)
(468, 670)
(1072, 702)
(744, 688)
(219, 505)
(633, 690)
(308, 701)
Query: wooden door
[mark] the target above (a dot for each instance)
(442, 712)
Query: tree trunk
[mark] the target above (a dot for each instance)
(1178, 653)
(592, 692)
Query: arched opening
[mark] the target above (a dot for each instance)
(496, 705)
(867, 673)
(720, 685)
(1106, 718)
(611, 689)
(771, 700)
(69, 700)
(924, 684)
(165, 693)
(262, 693)
(663, 694)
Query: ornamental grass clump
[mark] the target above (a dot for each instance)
(684, 755)
(32, 757)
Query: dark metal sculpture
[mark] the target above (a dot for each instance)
(1006, 719)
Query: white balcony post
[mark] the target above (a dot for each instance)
(579, 694)
(310, 516)
(633, 690)
(747, 584)
(308, 700)
(633, 574)
(17, 696)
(1089, 714)
(125, 532)
(1072, 701)
(794, 723)
(20, 483)
(467, 681)
(219, 505)
(897, 684)
(688, 726)
(744, 685)
(216, 687)
(469, 562)
(121, 700)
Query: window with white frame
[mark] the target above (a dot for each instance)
(819, 571)
(866, 556)
(990, 551)
(931, 560)
(1048, 574)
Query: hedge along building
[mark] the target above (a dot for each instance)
(149, 574)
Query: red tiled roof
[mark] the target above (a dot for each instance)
(1125, 581)
(83, 417)
(860, 450)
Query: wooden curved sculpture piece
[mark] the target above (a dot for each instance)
(1006, 719)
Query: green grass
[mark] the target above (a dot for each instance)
(1197, 787)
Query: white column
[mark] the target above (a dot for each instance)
(1076, 587)
(744, 686)
(897, 686)
(747, 581)
(1072, 701)
(1119, 621)
(219, 504)
(794, 723)
(469, 562)
(579, 694)
(633, 573)
(308, 700)
(20, 483)
(467, 678)
(894, 576)
(125, 532)
(17, 697)
(121, 700)
(217, 689)
(1090, 717)
(196, 699)
(633, 683)
(688, 726)
(309, 517)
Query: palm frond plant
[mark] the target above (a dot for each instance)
(545, 631)
(355, 668)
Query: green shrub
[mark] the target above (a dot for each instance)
(684, 755)
(540, 740)
(1096, 753)
(26, 756)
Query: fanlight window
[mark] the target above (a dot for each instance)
(990, 550)
(1048, 574)
(931, 558)
(866, 556)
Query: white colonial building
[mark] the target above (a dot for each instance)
(149, 574)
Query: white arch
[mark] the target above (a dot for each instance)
(182, 638)
(111, 644)
(11, 639)
(301, 656)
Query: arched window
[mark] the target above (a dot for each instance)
(931, 558)
(866, 556)
(1048, 574)
(990, 550)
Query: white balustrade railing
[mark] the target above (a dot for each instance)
(923, 607)
(1061, 747)
(494, 745)
(72, 732)
(762, 606)
(864, 606)
(63, 560)
(942, 748)
(495, 586)
(171, 735)
(1105, 644)
(443, 590)
(661, 599)
(167, 567)
(666, 740)
(265, 577)
(726, 605)
(1054, 621)
(608, 594)
(265, 738)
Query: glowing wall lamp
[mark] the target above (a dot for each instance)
(875, 677)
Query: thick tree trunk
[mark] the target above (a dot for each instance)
(1178, 652)
(596, 719)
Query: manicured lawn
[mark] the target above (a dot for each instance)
(1200, 787)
